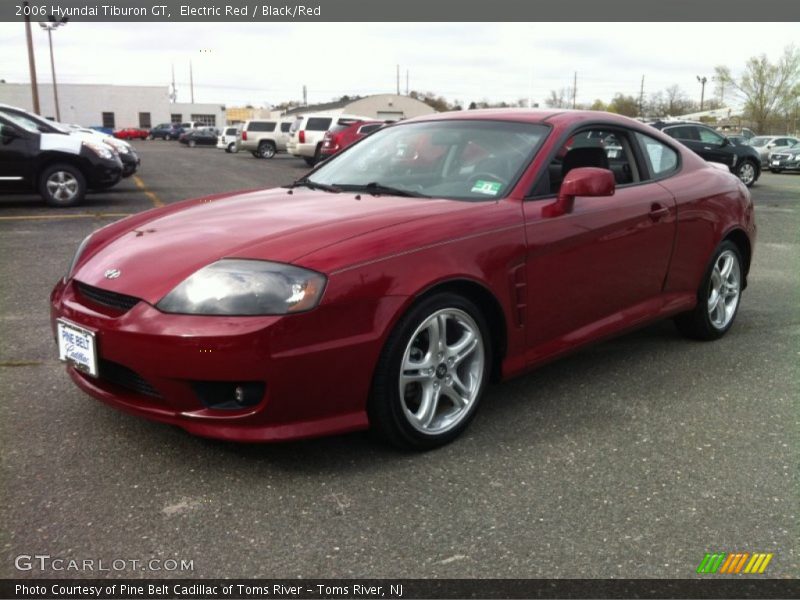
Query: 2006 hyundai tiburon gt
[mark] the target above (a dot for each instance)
(388, 286)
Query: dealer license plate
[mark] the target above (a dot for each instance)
(775, 163)
(77, 346)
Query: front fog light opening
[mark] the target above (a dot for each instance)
(229, 395)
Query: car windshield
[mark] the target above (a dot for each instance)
(23, 122)
(454, 159)
(759, 141)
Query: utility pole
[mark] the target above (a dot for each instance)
(31, 61)
(398, 80)
(574, 89)
(305, 96)
(191, 82)
(49, 27)
(174, 95)
(641, 98)
(702, 81)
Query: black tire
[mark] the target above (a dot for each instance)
(776, 170)
(744, 167)
(310, 160)
(231, 149)
(266, 149)
(385, 408)
(696, 324)
(54, 196)
(150, 137)
(255, 154)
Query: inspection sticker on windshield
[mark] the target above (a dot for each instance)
(487, 187)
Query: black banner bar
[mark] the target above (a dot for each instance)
(404, 10)
(375, 589)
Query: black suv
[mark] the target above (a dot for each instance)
(743, 161)
(59, 165)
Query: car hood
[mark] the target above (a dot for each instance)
(156, 254)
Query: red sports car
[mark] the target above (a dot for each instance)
(386, 289)
(131, 133)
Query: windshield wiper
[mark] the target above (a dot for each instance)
(377, 189)
(313, 185)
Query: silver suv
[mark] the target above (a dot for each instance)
(265, 138)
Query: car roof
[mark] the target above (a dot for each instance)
(558, 117)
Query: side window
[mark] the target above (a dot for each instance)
(602, 148)
(707, 136)
(661, 159)
(683, 132)
(285, 127)
(369, 128)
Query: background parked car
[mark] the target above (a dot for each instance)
(131, 133)
(61, 166)
(265, 137)
(787, 159)
(767, 144)
(199, 137)
(739, 140)
(338, 137)
(743, 161)
(307, 132)
(228, 140)
(127, 153)
(165, 131)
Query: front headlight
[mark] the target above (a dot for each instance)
(77, 256)
(117, 145)
(99, 149)
(245, 287)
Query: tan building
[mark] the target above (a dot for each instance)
(382, 107)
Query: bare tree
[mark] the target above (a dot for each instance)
(560, 98)
(766, 88)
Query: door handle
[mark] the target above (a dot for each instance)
(657, 211)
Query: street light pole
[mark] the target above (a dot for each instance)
(53, 24)
(702, 81)
(31, 61)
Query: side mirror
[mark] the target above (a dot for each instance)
(770, 146)
(725, 142)
(8, 133)
(583, 181)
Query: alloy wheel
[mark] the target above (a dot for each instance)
(747, 173)
(724, 289)
(62, 186)
(442, 371)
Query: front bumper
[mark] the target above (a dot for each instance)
(130, 163)
(316, 368)
(305, 150)
(781, 163)
(103, 173)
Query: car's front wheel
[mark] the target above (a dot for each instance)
(718, 296)
(747, 172)
(62, 185)
(431, 374)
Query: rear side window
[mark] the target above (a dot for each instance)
(297, 124)
(369, 128)
(683, 132)
(318, 124)
(261, 126)
(661, 159)
(285, 127)
(230, 131)
(338, 127)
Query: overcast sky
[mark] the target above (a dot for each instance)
(260, 63)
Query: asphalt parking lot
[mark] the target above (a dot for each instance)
(630, 459)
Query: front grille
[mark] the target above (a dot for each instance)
(113, 300)
(780, 156)
(122, 376)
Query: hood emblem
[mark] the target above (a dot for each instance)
(112, 273)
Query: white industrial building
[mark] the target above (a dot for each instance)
(114, 106)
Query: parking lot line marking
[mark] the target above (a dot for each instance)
(151, 195)
(68, 216)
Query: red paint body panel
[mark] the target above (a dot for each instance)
(609, 265)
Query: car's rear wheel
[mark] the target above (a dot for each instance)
(62, 185)
(192, 143)
(718, 296)
(747, 172)
(266, 150)
(431, 374)
(232, 148)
